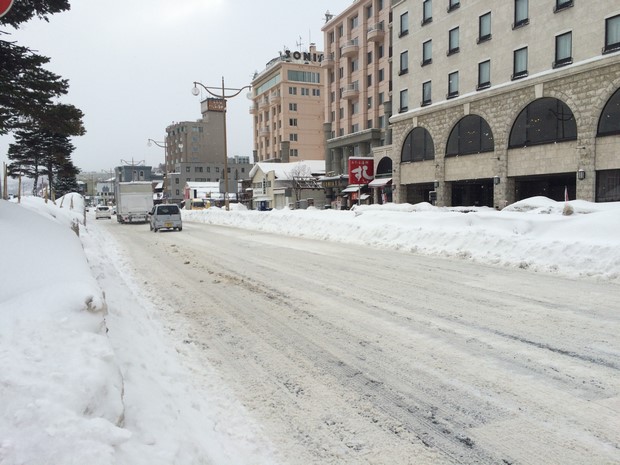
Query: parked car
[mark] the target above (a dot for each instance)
(166, 216)
(103, 211)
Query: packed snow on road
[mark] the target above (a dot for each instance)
(397, 334)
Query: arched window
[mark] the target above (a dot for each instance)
(418, 146)
(544, 121)
(384, 167)
(609, 123)
(472, 134)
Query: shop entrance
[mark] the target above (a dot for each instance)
(552, 186)
(472, 193)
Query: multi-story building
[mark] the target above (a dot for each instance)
(494, 101)
(358, 73)
(195, 153)
(287, 105)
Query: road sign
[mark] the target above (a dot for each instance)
(5, 6)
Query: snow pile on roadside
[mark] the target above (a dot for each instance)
(59, 384)
(531, 234)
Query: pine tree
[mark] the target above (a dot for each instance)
(27, 103)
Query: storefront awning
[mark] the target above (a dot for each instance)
(364, 196)
(380, 182)
(351, 188)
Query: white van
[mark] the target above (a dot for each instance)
(165, 216)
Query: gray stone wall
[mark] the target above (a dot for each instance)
(585, 88)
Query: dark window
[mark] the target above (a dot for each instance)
(404, 62)
(453, 41)
(427, 12)
(520, 63)
(426, 93)
(404, 24)
(608, 186)
(418, 146)
(544, 121)
(484, 75)
(562, 4)
(484, 27)
(404, 101)
(453, 5)
(427, 52)
(472, 134)
(521, 13)
(563, 49)
(609, 122)
(453, 84)
(612, 34)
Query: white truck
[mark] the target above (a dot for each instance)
(134, 200)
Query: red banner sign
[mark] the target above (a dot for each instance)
(5, 6)
(361, 170)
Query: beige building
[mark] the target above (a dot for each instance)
(358, 72)
(494, 101)
(287, 105)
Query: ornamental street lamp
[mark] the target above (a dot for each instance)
(223, 96)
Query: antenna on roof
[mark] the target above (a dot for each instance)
(300, 44)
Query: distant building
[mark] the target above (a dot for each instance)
(287, 185)
(288, 108)
(195, 153)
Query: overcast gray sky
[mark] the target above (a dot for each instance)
(131, 65)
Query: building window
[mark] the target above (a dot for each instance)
(381, 98)
(563, 49)
(609, 121)
(521, 13)
(471, 135)
(369, 80)
(404, 101)
(453, 41)
(316, 92)
(426, 93)
(292, 90)
(453, 5)
(354, 22)
(427, 52)
(453, 84)
(544, 121)
(369, 58)
(612, 34)
(427, 12)
(404, 24)
(292, 121)
(484, 75)
(292, 106)
(340, 30)
(404, 63)
(519, 63)
(418, 146)
(562, 4)
(355, 108)
(292, 137)
(187, 169)
(381, 75)
(484, 27)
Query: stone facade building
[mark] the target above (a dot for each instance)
(499, 101)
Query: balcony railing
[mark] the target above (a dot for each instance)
(375, 32)
(350, 48)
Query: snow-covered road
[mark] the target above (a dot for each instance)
(346, 354)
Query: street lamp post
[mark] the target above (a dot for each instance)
(164, 145)
(223, 96)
